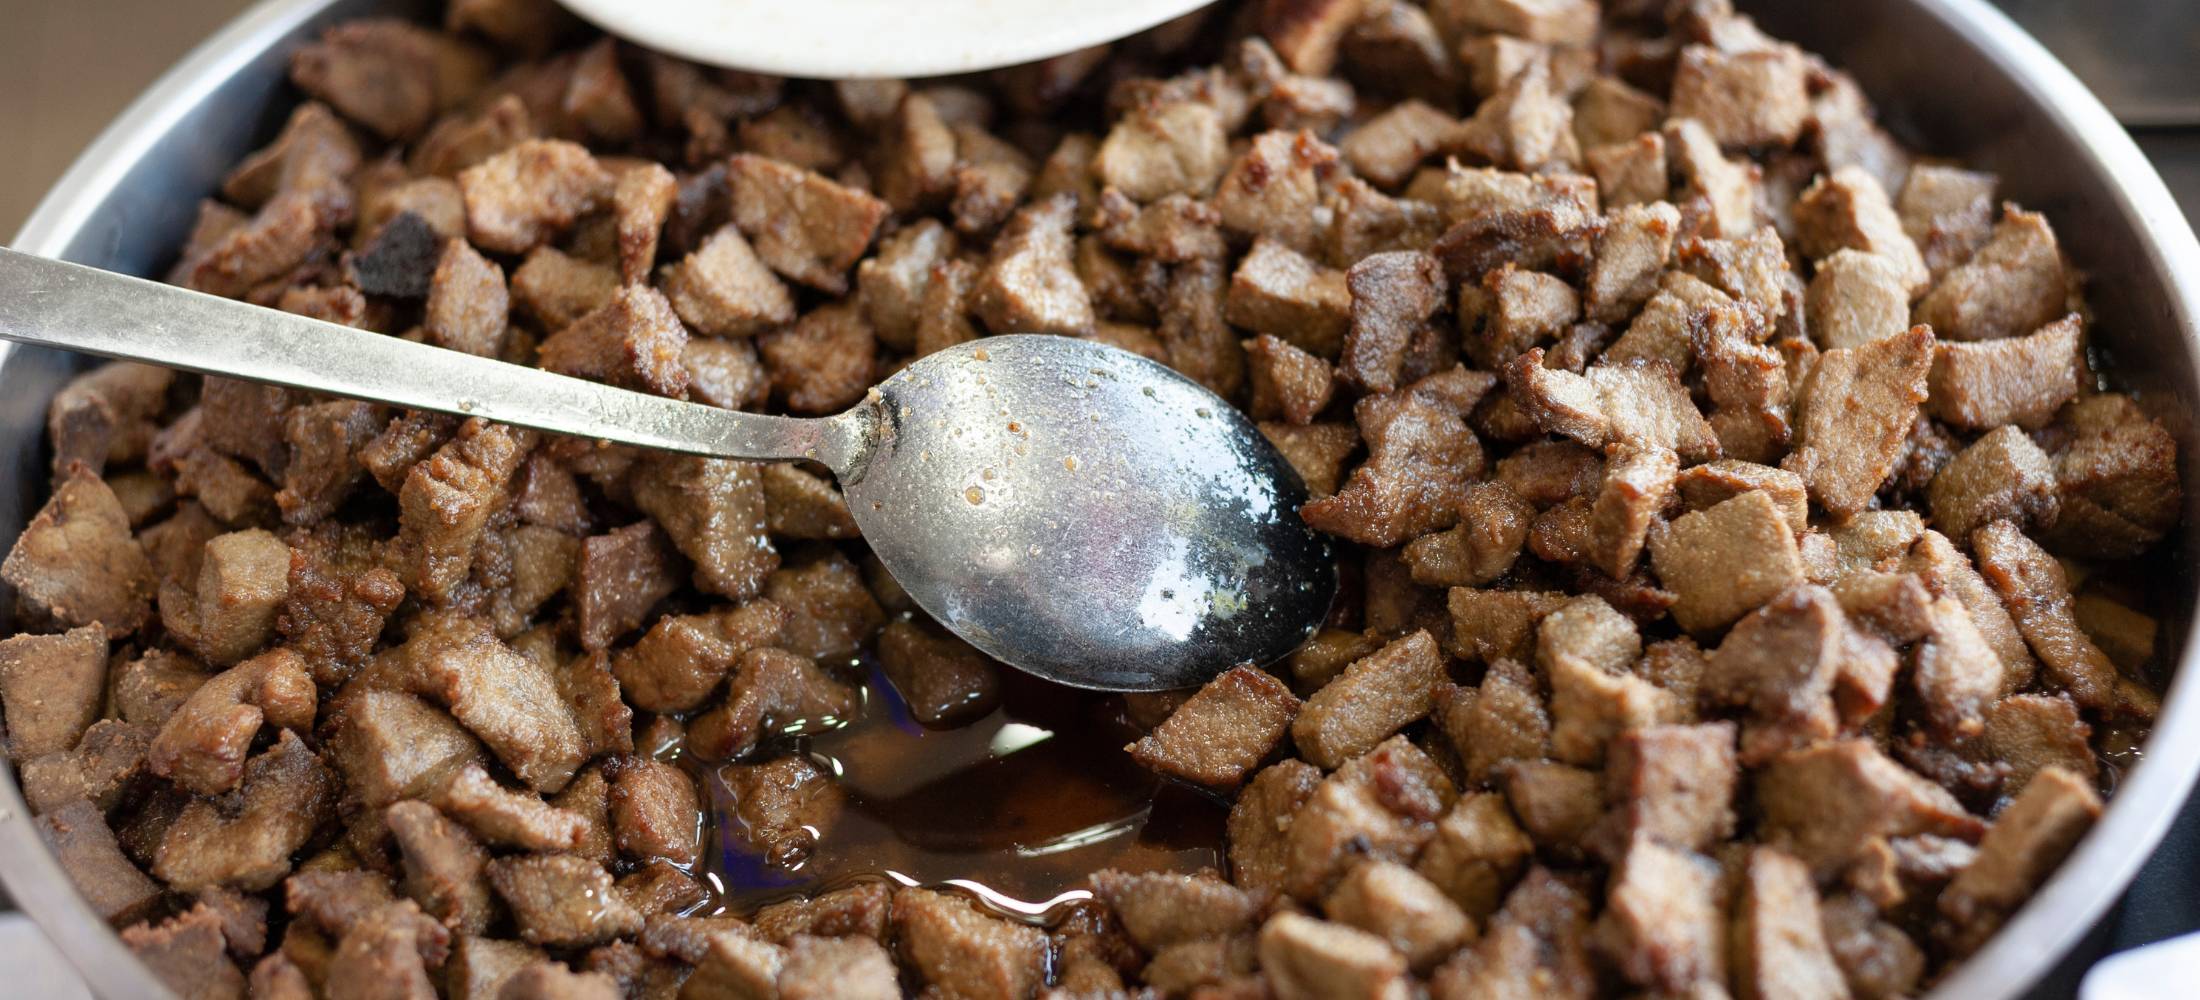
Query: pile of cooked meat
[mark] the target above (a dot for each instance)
(1731, 513)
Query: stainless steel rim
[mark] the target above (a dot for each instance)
(2094, 876)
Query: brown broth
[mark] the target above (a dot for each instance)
(1016, 807)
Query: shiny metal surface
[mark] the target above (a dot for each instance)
(1953, 74)
(1089, 515)
(53, 303)
(1071, 509)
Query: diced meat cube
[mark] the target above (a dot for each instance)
(1536, 946)
(2013, 380)
(1420, 457)
(246, 841)
(1878, 958)
(1663, 923)
(1608, 110)
(1557, 804)
(1405, 909)
(682, 659)
(2032, 732)
(1476, 852)
(960, 951)
(523, 197)
(52, 687)
(641, 201)
(444, 867)
(188, 953)
(786, 805)
(1223, 732)
(1286, 381)
(859, 910)
(2013, 285)
(1381, 805)
(1637, 482)
(509, 818)
(390, 745)
(1786, 663)
(509, 701)
(824, 362)
(1174, 147)
(1640, 404)
(1174, 230)
(554, 981)
(723, 289)
(1673, 784)
(1274, 189)
(77, 564)
(1726, 560)
(1824, 803)
(1947, 572)
(243, 580)
(1162, 909)
(106, 763)
(1854, 413)
(1520, 309)
(1713, 483)
(1957, 674)
(1756, 98)
(1527, 125)
(726, 373)
(1388, 147)
(1259, 824)
(891, 284)
(621, 575)
(1304, 958)
(1856, 297)
(2002, 476)
(468, 304)
(1847, 209)
(1393, 296)
(805, 226)
(1493, 524)
(914, 160)
(110, 883)
(1948, 212)
(819, 968)
(1370, 700)
(387, 74)
(1780, 945)
(713, 510)
(1726, 189)
(203, 747)
(106, 415)
(654, 811)
(634, 341)
(1502, 719)
(1630, 254)
(562, 901)
(1030, 283)
(2032, 584)
(557, 290)
(2026, 842)
(2117, 478)
(830, 611)
(1317, 452)
(943, 680)
(1551, 22)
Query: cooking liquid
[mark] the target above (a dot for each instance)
(1015, 807)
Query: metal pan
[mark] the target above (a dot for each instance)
(1952, 77)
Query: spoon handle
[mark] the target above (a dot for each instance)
(51, 303)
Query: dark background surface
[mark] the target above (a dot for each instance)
(68, 66)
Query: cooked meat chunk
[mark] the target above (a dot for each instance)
(51, 687)
(960, 951)
(2025, 843)
(1483, 546)
(2014, 380)
(1399, 905)
(562, 901)
(1030, 284)
(654, 811)
(1673, 784)
(1503, 719)
(1948, 211)
(468, 304)
(818, 968)
(117, 891)
(511, 818)
(1174, 147)
(245, 839)
(203, 747)
(106, 415)
(188, 953)
(1852, 415)
(1526, 125)
(683, 658)
(1305, 958)
(1780, 947)
(892, 283)
(1847, 209)
(1286, 381)
(2013, 285)
(785, 805)
(243, 580)
(1786, 662)
(523, 197)
(634, 340)
(1947, 572)
(713, 510)
(76, 563)
(1393, 295)
(444, 867)
(1957, 674)
(2032, 732)
(807, 227)
(1725, 560)
(2117, 478)
(1420, 456)
(1387, 148)
(1663, 924)
(1639, 404)
(1259, 827)
(1637, 482)
(1220, 734)
(1372, 699)
(1630, 254)
(1824, 803)
(723, 289)
(621, 575)
(1274, 189)
(1535, 946)
(771, 689)
(2037, 593)
(1159, 910)
(2002, 476)
(106, 763)
(1857, 297)
(509, 701)
(1750, 98)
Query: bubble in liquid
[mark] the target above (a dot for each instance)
(975, 494)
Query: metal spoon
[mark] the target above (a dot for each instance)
(1069, 508)
(838, 39)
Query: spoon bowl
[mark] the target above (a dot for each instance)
(1087, 514)
(866, 39)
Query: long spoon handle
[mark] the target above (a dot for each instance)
(51, 303)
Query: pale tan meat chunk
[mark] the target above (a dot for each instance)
(1287, 383)
(1223, 732)
(1388, 147)
(1030, 283)
(245, 841)
(1493, 525)
(2032, 732)
(944, 680)
(510, 701)
(521, 198)
(2117, 478)
(1476, 853)
(1751, 98)
(1854, 412)
(562, 901)
(1278, 291)
(2013, 285)
(1404, 908)
(1504, 718)
(961, 952)
(1957, 674)
(1637, 483)
(445, 867)
(1630, 173)
(1527, 125)
(1275, 189)
(52, 687)
(1259, 824)
(2023, 846)
(713, 509)
(1827, 802)
(1173, 147)
(1673, 784)
(1663, 923)
(1630, 254)
(2033, 586)
(806, 226)
(1724, 190)
(1160, 909)
(202, 748)
(2001, 476)
(1304, 959)
(511, 818)
(1393, 296)
(1372, 699)
(1723, 561)
(824, 362)
(1948, 572)
(111, 884)
(2014, 380)
(187, 954)
(1638, 403)
(1948, 211)
(634, 340)
(1535, 947)
(1780, 947)
(892, 283)
(1420, 457)
(1847, 209)
(1856, 297)
(1519, 309)
(77, 564)
(723, 289)
(557, 289)
(1609, 110)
